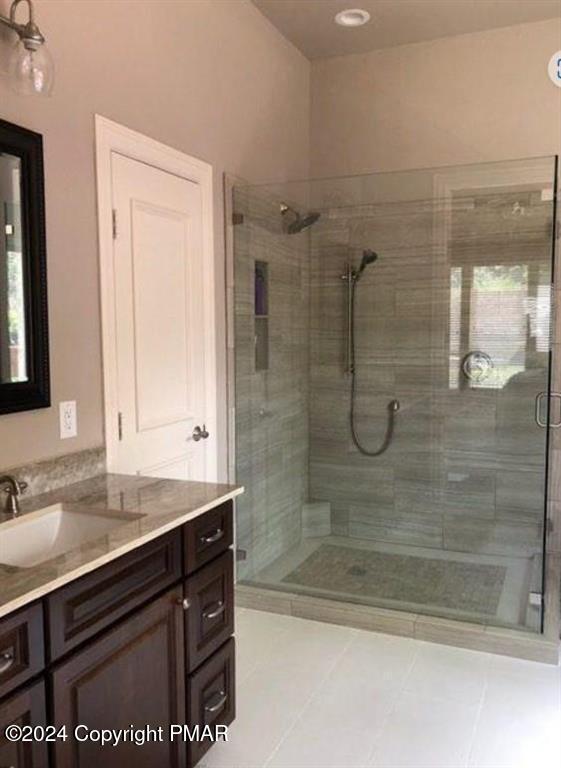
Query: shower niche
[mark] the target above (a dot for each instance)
(449, 519)
(261, 314)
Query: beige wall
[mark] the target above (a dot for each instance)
(464, 99)
(213, 79)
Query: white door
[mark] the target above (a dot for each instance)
(161, 387)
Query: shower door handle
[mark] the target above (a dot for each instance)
(539, 398)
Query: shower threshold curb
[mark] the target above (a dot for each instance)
(505, 642)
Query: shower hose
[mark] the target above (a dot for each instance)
(393, 405)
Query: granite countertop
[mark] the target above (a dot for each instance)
(147, 506)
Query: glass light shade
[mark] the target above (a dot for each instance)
(32, 72)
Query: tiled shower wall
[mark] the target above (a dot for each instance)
(272, 405)
(465, 470)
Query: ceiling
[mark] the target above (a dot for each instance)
(309, 23)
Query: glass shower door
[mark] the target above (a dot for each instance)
(496, 270)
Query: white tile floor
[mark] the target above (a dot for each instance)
(314, 695)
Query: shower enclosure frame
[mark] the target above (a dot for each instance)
(543, 646)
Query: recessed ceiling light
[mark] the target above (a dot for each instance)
(352, 17)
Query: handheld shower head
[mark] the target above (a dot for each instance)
(368, 257)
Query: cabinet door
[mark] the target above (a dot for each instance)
(134, 674)
(24, 708)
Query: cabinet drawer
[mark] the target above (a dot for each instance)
(207, 536)
(21, 647)
(211, 692)
(80, 609)
(209, 618)
(27, 707)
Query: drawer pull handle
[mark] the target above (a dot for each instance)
(211, 538)
(6, 661)
(216, 609)
(216, 701)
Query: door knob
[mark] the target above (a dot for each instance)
(200, 434)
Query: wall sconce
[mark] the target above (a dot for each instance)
(31, 66)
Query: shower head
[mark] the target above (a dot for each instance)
(297, 222)
(368, 257)
(303, 223)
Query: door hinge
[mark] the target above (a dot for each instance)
(120, 425)
(237, 218)
(114, 223)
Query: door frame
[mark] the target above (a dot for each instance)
(112, 137)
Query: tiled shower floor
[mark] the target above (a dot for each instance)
(510, 608)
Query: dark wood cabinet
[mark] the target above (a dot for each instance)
(27, 707)
(145, 640)
(134, 674)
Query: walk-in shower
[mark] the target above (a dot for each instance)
(385, 423)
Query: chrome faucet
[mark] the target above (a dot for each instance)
(13, 489)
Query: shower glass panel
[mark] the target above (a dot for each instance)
(448, 328)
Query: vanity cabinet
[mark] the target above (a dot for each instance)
(144, 640)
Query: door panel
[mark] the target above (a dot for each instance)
(160, 336)
(161, 292)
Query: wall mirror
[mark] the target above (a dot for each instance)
(24, 344)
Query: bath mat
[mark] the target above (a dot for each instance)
(472, 587)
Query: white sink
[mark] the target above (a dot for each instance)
(39, 536)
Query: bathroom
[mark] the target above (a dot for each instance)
(356, 325)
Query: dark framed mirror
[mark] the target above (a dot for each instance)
(24, 338)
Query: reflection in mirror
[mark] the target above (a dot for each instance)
(24, 337)
(13, 357)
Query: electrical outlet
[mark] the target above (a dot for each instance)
(68, 421)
